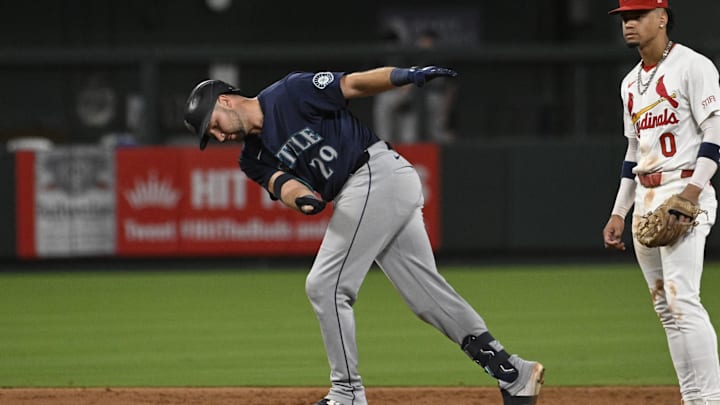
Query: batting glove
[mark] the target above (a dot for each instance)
(307, 201)
(418, 75)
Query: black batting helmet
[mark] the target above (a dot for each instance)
(200, 105)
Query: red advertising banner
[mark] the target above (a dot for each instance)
(175, 201)
(148, 193)
(179, 201)
(25, 203)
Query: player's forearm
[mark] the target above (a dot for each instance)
(289, 191)
(366, 83)
(626, 191)
(374, 81)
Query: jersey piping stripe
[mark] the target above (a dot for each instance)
(337, 282)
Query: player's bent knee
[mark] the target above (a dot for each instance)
(321, 291)
(315, 290)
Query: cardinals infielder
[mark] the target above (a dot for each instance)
(671, 103)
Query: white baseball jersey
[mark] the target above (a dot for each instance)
(666, 118)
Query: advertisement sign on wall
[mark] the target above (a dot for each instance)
(183, 202)
(170, 201)
(68, 206)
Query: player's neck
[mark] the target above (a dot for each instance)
(652, 52)
(254, 115)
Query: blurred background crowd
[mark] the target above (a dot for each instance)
(88, 72)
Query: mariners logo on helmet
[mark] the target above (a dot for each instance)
(192, 105)
(322, 79)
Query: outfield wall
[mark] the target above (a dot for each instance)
(7, 205)
(537, 197)
(545, 197)
(163, 201)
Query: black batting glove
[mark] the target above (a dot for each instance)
(309, 205)
(418, 75)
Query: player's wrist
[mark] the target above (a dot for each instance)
(691, 193)
(278, 183)
(402, 76)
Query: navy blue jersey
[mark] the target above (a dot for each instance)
(307, 131)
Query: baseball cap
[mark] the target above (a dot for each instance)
(200, 105)
(630, 5)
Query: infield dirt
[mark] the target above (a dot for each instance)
(306, 396)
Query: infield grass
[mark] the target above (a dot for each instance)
(589, 325)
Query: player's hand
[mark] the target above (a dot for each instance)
(309, 205)
(419, 75)
(422, 75)
(613, 232)
(692, 194)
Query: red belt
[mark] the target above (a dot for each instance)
(651, 180)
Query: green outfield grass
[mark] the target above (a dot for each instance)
(589, 324)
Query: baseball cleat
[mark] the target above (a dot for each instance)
(328, 401)
(526, 394)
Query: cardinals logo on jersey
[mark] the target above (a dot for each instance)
(662, 92)
(645, 119)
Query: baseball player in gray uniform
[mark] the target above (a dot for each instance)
(671, 101)
(304, 146)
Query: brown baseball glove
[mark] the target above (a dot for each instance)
(654, 229)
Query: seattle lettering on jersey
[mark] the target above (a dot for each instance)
(652, 121)
(296, 145)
